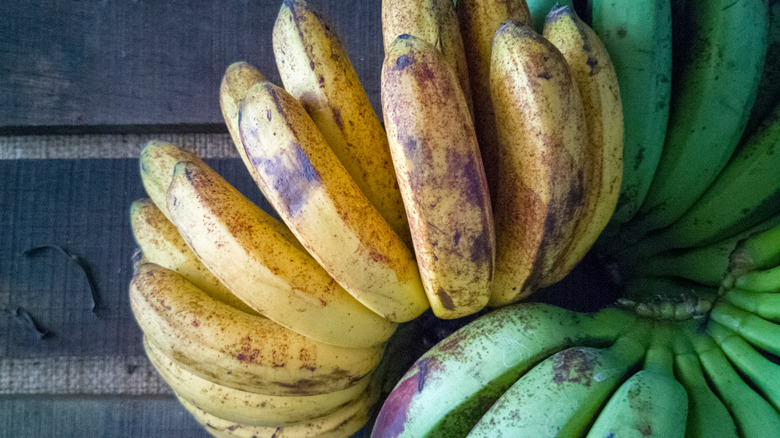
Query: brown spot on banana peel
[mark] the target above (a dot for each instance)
(573, 365)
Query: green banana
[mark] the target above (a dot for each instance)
(650, 402)
(465, 373)
(539, 10)
(745, 193)
(561, 395)
(761, 371)
(764, 304)
(753, 415)
(769, 86)
(707, 265)
(638, 37)
(713, 95)
(758, 251)
(756, 330)
(760, 281)
(707, 415)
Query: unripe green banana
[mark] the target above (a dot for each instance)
(767, 280)
(715, 90)
(756, 330)
(761, 372)
(561, 395)
(707, 415)
(540, 121)
(479, 20)
(592, 69)
(316, 70)
(453, 384)
(756, 252)
(768, 96)
(439, 169)
(638, 37)
(764, 304)
(243, 246)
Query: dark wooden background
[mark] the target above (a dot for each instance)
(83, 85)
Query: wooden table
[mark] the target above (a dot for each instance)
(83, 86)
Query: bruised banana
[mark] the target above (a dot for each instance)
(311, 190)
(439, 169)
(341, 423)
(479, 20)
(316, 70)
(227, 346)
(540, 119)
(596, 80)
(250, 408)
(162, 244)
(433, 21)
(243, 246)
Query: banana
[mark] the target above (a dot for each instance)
(765, 305)
(162, 244)
(756, 252)
(592, 69)
(744, 194)
(768, 95)
(311, 190)
(479, 20)
(561, 395)
(708, 265)
(238, 78)
(338, 424)
(439, 169)
(752, 414)
(756, 330)
(717, 87)
(243, 247)
(250, 408)
(540, 119)
(650, 403)
(761, 372)
(316, 70)
(760, 281)
(638, 37)
(235, 349)
(434, 21)
(707, 415)
(539, 10)
(449, 388)
(668, 298)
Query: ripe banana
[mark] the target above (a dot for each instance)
(638, 37)
(440, 172)
(479, 20)
(743, 194)
(561, 395)
(311, 190)
(316, 70)
(594, 74)
(752, 414)
(434, 21)
(244, 248)
(713, 96)
(455, 382)
(539, 10)
(249, 408)
(162, 244)
(759, 370)
(540, 119)
(238, 78)
(338, 424)
(227, 346)
(707, 415)
(650, 403)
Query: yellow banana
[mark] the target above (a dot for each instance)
(316, 70)
(313, 193)
(596, 80)
(541, 121)
(162, 244)
(439, 169)
(434, 21)
(237, 80)
(250, 408)
(338, 424)
(242, 246)
(235, 349)
(479, 20)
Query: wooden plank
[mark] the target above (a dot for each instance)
(79, 66)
